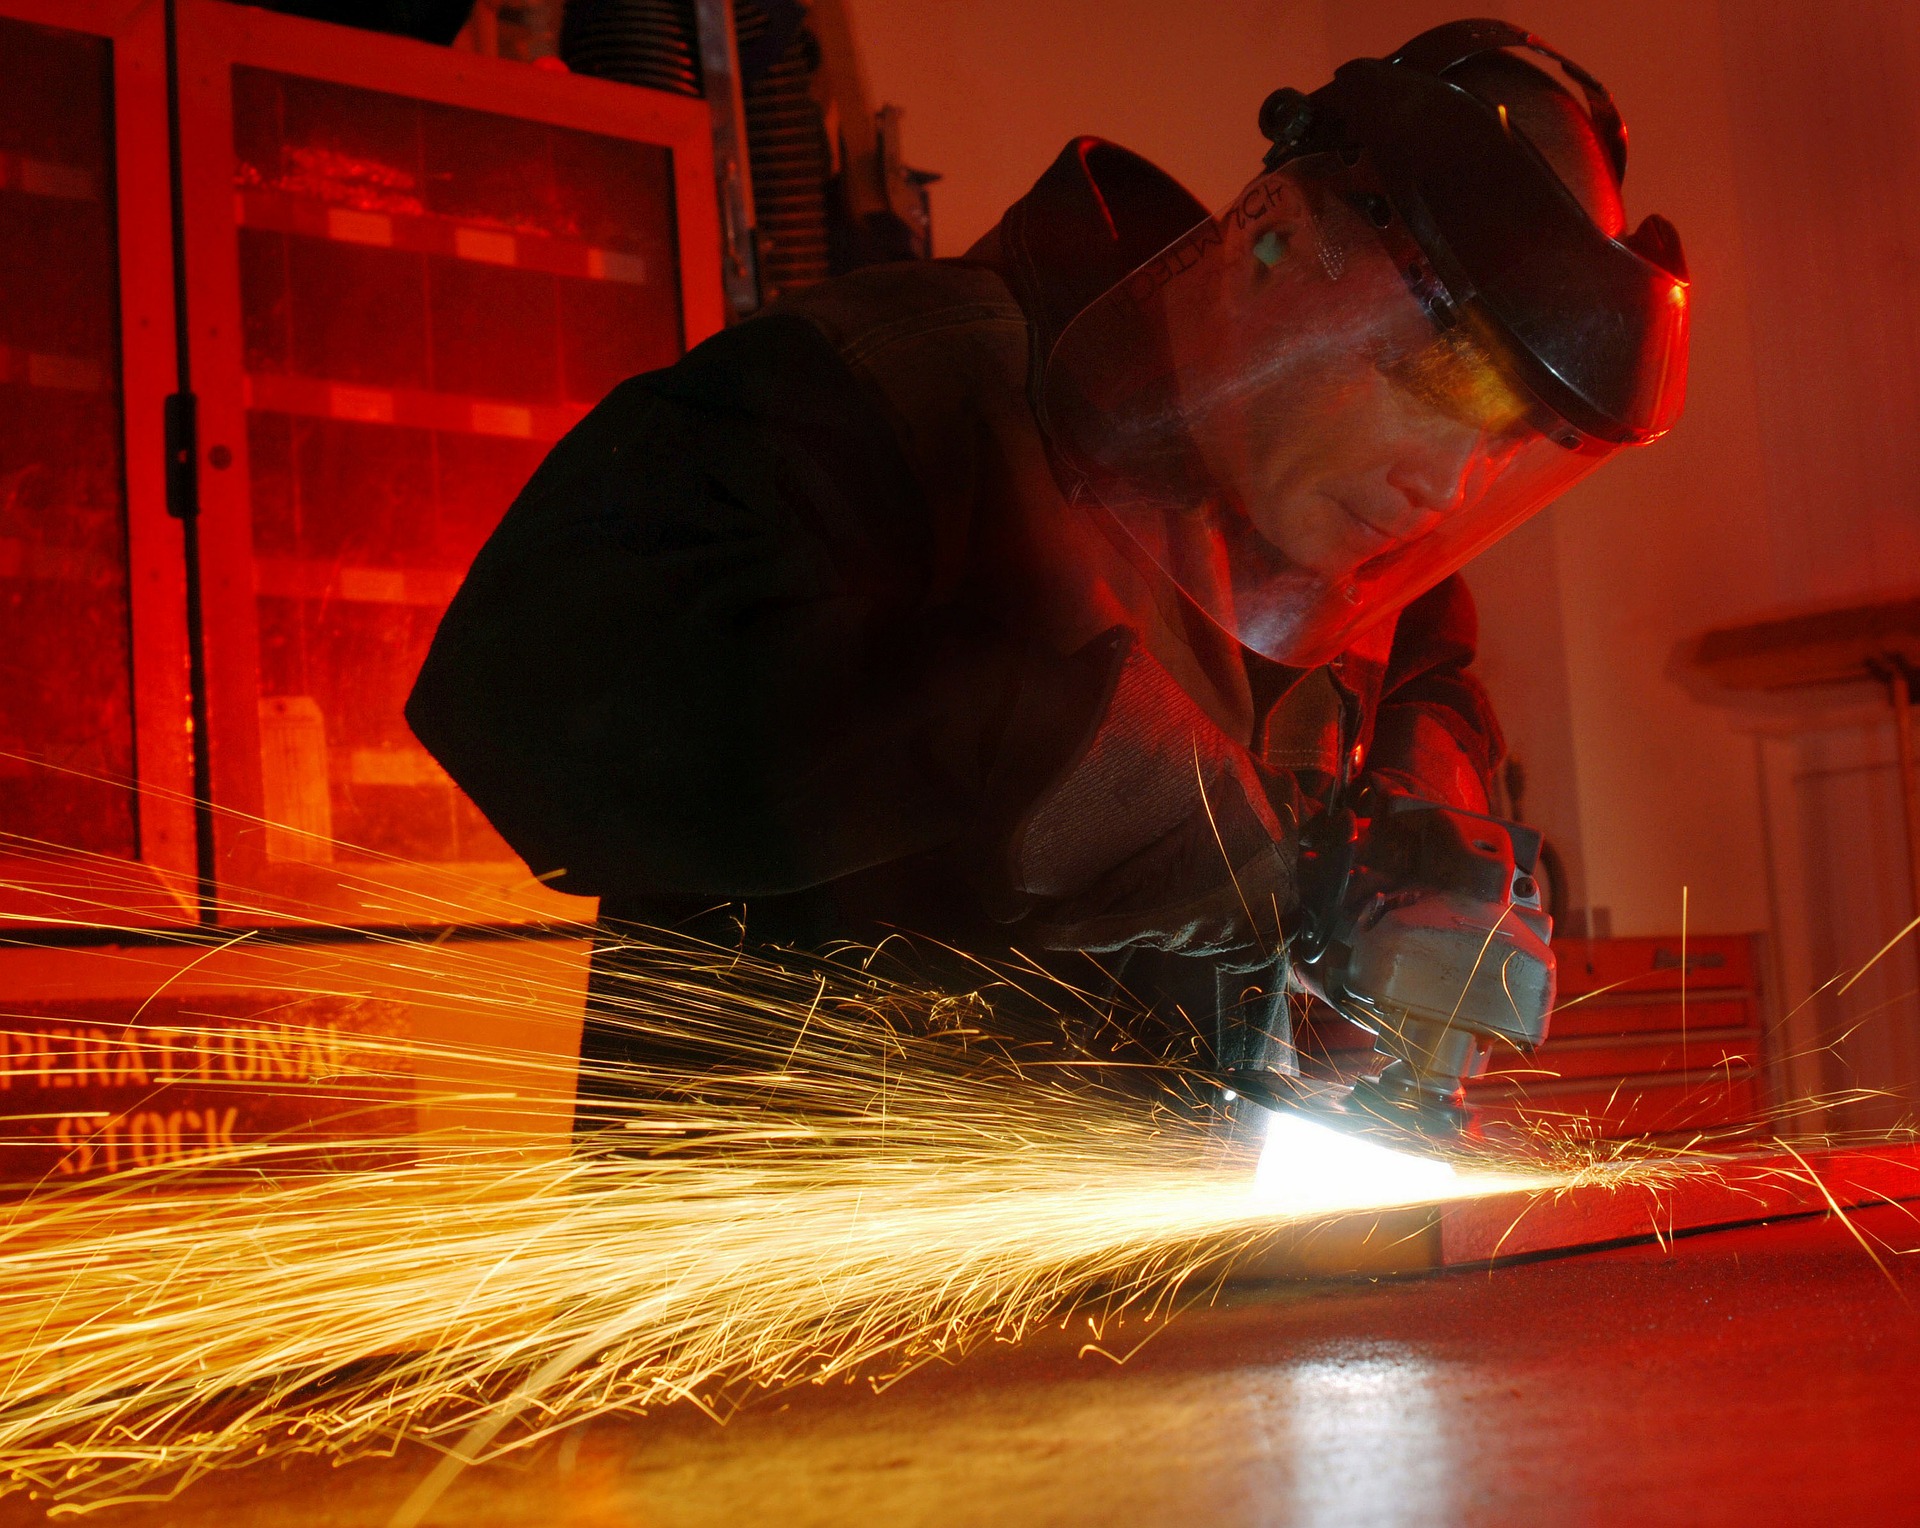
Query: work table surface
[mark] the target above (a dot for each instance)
(1765, 1374)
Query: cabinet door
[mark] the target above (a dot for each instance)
(92, 635)
(410, 272)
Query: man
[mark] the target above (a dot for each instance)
(1075, 598)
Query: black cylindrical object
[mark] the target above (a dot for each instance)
(637, 42)
(429, 20)
(788, 153)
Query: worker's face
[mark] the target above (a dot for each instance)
(1269, 409)
(1338, 453)
(1359, 468)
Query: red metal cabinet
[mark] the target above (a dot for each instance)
(410, 271)
(407, 271)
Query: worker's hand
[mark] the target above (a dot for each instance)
(1217, 885)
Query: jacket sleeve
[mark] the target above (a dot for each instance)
(1436, 735)
(697, 659)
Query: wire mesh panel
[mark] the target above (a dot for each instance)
(66, 703)
(431, 296)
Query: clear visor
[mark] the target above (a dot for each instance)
(1272, 416)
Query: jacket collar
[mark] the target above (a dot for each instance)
(1097, 214)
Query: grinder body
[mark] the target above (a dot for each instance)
(1423, 924)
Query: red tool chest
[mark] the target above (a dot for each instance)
(1644, 1041)
(1639, 1044)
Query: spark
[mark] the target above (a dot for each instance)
(808, 1171)
(1308, 1168)
(816, 1173)
(1878, 956)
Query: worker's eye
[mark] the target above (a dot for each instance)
(1456, 376)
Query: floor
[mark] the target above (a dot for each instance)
(1754, 1376)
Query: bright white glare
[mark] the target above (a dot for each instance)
(1307, 1167)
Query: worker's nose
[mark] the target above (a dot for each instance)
(1435, 470)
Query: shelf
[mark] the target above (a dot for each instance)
(44, 177)
(36, 562)
(1638, 1061)
(411, 407)
(1500, 1088)
(430, 234)
(298, 578)
(57, 373)
(73, 890)
(411, 768)
(1635, 1038)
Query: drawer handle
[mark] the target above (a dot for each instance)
(1706, 960)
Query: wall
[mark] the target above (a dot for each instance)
(1666, 541)
(1788, 152)
(994, 89)
(1829, 175)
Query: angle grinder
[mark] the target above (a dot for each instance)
(1423, 924)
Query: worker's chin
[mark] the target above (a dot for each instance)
(1323, 534)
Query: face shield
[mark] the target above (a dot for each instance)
(1290, 415)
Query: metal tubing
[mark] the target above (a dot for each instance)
(726, 98)
(1900, 688)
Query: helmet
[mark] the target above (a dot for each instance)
(1399, 341)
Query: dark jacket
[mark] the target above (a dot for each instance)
(802, 625)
